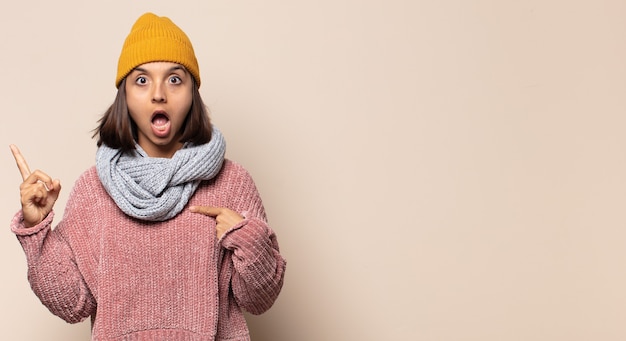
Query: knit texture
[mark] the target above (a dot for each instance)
(156, 39)
(169, 280)
(157, 189)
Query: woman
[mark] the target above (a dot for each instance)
(164, 238)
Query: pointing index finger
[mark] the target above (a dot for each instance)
(20, 161)
(206, 210)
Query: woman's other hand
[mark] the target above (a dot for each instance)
(225, 218)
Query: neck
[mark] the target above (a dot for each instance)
(164, 151)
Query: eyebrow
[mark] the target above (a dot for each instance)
(173, 68)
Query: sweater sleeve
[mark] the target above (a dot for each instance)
(258, 267)
(52, 271)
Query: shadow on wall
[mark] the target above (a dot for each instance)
(266, 328)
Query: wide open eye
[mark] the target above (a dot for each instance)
(175, 80)
(141, 80)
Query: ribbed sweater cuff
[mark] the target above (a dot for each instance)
(249, 236)
(18, 227)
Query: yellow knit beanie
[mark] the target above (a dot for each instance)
(156, 39)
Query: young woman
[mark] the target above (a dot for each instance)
(164, 238)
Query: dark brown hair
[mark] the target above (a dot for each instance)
(117, 129)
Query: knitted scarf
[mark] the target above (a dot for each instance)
(157, 189)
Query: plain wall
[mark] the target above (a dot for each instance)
(434, 170)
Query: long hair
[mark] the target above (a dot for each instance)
(117, 129)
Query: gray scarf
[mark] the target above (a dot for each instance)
(157, 189)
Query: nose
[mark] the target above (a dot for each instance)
(158, 94)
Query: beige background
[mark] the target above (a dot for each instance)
(435, 170)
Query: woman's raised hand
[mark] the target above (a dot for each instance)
(38, 192)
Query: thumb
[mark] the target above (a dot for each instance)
(206, 210)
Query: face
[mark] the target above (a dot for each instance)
(159, 97)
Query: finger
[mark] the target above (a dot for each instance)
(39, 193)
(21, 162)
(33, 194)
(41, 178)
(47, 193)
(206, 210)
(41, 196)
(56, 188)
(44, 185)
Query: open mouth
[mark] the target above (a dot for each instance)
(160, 123)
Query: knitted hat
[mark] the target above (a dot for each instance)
(156, 39)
